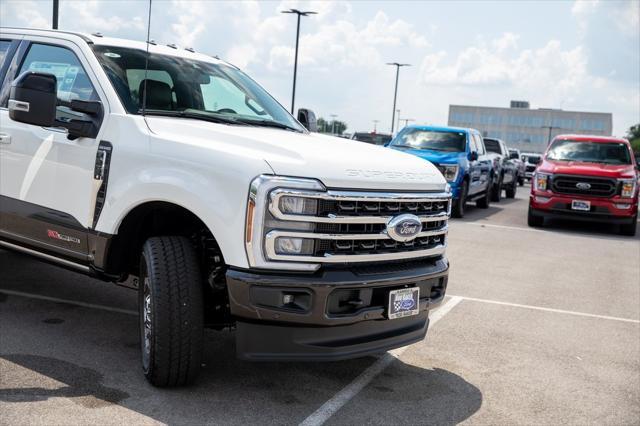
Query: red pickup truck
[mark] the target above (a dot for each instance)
(592, 178)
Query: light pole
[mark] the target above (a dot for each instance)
(395, 93)
(397, 122)
(550, 129)
(375, 125)
(295, 62)
(56, 7)
(406, 121)
(333, 123)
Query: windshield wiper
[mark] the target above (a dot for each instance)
(190, 114)
(267, 123)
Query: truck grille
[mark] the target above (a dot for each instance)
(584, 185)
(351, 226)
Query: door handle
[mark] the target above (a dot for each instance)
(5, 138)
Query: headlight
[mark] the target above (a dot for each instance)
(450, 172)
(628, 187)
(540, 182)
(298, 205)
(270, 206)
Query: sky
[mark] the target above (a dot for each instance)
(576, 54)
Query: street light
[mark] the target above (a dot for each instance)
(56, 7)
(395, 95)
(295, 62)
(406, 121)
(550, 129)
(375, 125)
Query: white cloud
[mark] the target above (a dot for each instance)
(29, 14)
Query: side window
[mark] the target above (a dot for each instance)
(73, 82)
(4, 48)
(472, 143)
(480, 144)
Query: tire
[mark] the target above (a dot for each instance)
(485, 201)
(496, 192)
(171, 311)
(520, 181)
(511, 191)
(629, 229)
(534, 220)
(457, 210)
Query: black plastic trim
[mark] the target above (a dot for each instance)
(101, 172)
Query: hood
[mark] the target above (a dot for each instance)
(336, 162)
(588, 169)
(438, 157)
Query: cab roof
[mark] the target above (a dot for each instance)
(100, 40)
(442, 128)
(591, 138)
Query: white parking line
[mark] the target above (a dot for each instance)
(69, 302)
(330, 407)
(557, 311)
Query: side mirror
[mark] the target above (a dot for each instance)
(33, 98)
(307, 118)
(473, 156)
(387, 144)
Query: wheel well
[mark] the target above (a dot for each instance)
(165, 219)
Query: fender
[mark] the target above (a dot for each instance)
(220, 212)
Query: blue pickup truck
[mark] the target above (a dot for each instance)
(461, 157)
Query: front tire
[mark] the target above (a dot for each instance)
(171, 311)
(496, 193)
(534, 220)
(629, 229)
(511, 190)
(457, 210)
(485, 201)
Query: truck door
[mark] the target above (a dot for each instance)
(47, 188)
(484, 164)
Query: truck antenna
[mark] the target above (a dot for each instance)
(146, 61)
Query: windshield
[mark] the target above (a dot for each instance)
(182, 87)
(433, 140)
(374, 138)
(533, 159)
(492, 145)
(589, 152)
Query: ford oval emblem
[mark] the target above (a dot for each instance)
(404, 227)
(583, 185)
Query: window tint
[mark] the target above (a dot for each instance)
(492, 145)
(4, 48)
(136, 76)
(434, 140)
(73, 82)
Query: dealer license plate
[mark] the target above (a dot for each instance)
(404, 302)
(583, 206)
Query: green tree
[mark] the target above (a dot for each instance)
(633, 134)
(325, 126)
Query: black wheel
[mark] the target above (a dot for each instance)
(534, 220)
(520, 181)
(485, 201)
(511, 190)
(171, 312)
(496, 192)
(629, 229)
(457, 209)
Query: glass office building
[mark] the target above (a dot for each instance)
(529, 130)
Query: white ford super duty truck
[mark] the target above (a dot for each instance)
(174, 173)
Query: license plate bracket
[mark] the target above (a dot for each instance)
(581, 205)
(404, 302)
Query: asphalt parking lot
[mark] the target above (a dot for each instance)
(540, 327)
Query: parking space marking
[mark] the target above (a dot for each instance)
(557, 311)
(329, 408)
(67, 301)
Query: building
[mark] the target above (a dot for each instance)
(527, 129)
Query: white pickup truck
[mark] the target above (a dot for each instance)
(174, 173)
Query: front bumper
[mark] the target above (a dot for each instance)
(609, 210)
(336, 313)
